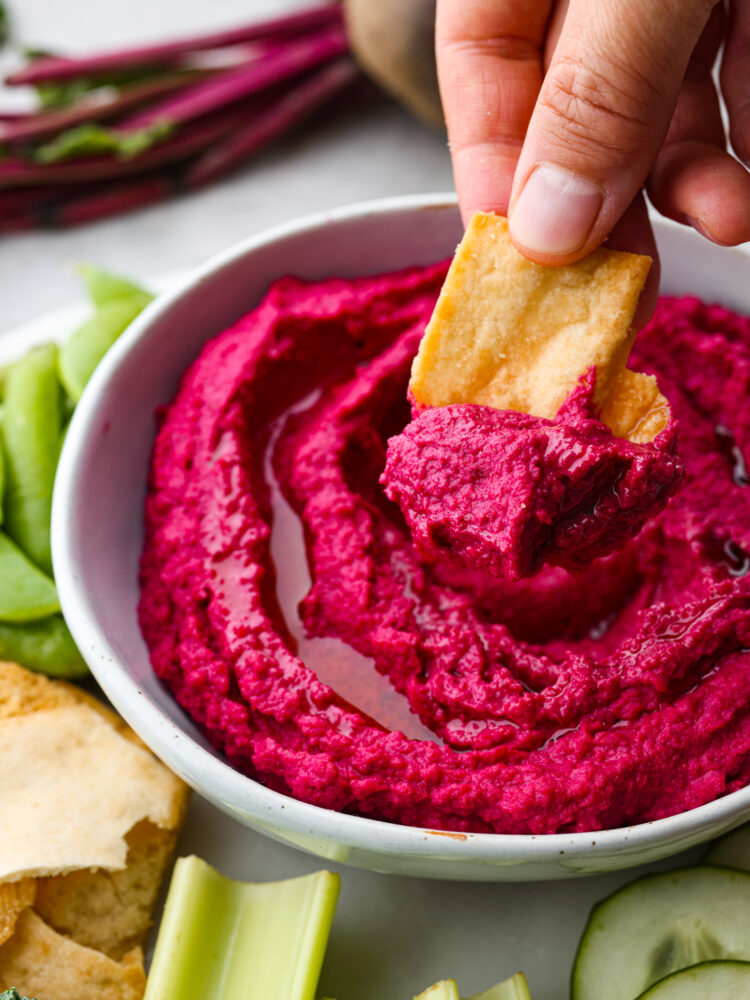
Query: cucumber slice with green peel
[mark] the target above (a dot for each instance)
(732, 850)
(446, 989)
(706, 981)
(658, 925)
(515, 988)
(241, 940)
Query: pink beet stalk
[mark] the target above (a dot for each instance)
(15, 200)
(15, 173)
(97, 107)
(61, 207)
(212, 101)
(49, 69)
(281, 64)
(19, 222)
(113, 201)
(281, 116)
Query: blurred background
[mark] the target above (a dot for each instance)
(359, 148)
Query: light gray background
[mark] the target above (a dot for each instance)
(392, 936)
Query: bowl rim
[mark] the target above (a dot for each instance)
(234, 791)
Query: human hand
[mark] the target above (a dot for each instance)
(628, 99)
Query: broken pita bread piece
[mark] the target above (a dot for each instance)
(75, 788)
(100, 912)
(515, 335)
(110, 910)
(48, 966)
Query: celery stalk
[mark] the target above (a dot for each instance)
(515, 988)
(446, 989)
(241, 940)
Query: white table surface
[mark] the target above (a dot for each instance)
(392, 936)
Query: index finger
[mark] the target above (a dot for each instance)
(489, 58)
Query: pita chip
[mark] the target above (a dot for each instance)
(515, 335)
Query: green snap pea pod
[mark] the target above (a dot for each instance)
(46, 646)
(85, 348)
(105, 288)
(31, 428)
(26, 594)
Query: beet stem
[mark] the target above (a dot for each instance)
(49, 69)
(97, 107)
(235, 84)
(290, 110)
(22, 173)
(57, 209)
(122, 198)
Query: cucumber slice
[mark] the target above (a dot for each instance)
(515, 988)
(659, 924)
(446, 989)
(732, 850)
(706, 981)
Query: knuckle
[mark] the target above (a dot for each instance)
(505, 47)
(611, 111)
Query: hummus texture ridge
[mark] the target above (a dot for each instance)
(287, 609)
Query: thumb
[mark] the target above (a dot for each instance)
(600, 119)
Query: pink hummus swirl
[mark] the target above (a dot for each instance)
(287, 609)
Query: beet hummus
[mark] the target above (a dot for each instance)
(506, 492)
(288, 610)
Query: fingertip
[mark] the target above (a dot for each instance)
(702, 229)
(703, 186)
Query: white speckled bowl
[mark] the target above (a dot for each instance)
(97, 527)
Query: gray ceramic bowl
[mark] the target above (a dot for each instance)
(97, 525)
